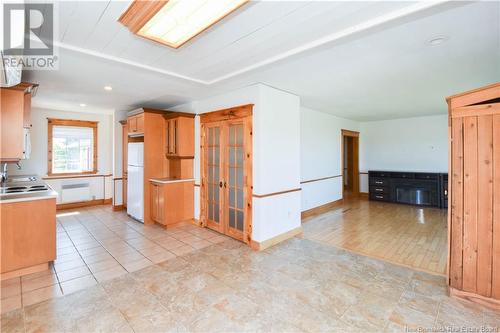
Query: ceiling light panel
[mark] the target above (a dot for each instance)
(175, 22)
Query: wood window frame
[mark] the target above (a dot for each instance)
(76, 123)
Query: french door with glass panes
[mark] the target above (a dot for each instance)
(226, 183)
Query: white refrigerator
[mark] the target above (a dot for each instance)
(135, 185)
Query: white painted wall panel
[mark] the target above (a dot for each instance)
(320, 141)
(411, 144)
(321, 192)
(275, 215)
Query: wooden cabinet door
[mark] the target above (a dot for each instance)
(154, 202)
(139, 123)
(180, 137)
(132, 124)
(185, 137)
(172, 136)
(27, 111)
(11, 122)
(157, 203)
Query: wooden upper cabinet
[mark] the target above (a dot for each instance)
(15, 115)
(12, 102)
(136, 124)
(179, 137)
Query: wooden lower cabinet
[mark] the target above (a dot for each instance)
(28, 234)
(172, 202)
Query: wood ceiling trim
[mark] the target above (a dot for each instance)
(139, 13)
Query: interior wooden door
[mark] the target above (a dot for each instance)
(226, 189)
(234, 172)
(212, 198)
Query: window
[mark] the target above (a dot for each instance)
(72, 146)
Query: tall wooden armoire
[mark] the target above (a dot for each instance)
(474, 212)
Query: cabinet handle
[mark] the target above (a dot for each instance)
(220, 184)
(379, 197)
(379, 182)
(379, 190)
(225, 185)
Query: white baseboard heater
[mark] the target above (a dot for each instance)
(75, 192)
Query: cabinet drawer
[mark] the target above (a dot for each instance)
(379, 196)
(404, 175)
(379, 189)
(379, 174)
(430, 176)
(379, 181)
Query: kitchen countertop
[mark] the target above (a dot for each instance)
(170, 180)
(22, 181)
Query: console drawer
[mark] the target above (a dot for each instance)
(379, 196)
(379, 189)
(379, 182)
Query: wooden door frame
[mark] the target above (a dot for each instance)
(355, 140)
(245, 113)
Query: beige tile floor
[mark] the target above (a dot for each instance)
(97, 244)
(296, 286)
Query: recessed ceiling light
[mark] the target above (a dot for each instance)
(437, 40)
(174, 22)
(108, 88)
(83, 105)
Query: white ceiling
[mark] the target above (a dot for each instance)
(359, 60)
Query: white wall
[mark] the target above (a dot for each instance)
(410, 144)
(118, 156)
(321, 142)
(276, 154)
(101, 187)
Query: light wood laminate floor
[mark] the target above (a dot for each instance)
(401, 234)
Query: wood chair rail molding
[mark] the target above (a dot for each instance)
(259, 196)
(76, 123)
(319, 179)
(236, 112)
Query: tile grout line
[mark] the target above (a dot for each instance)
(79, 254)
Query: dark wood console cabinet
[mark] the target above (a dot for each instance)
(414, 188)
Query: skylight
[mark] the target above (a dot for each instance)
(174, 22)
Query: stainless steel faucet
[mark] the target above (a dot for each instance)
(4, 175)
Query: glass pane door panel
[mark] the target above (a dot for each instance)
(236, 176)
(213, 174)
